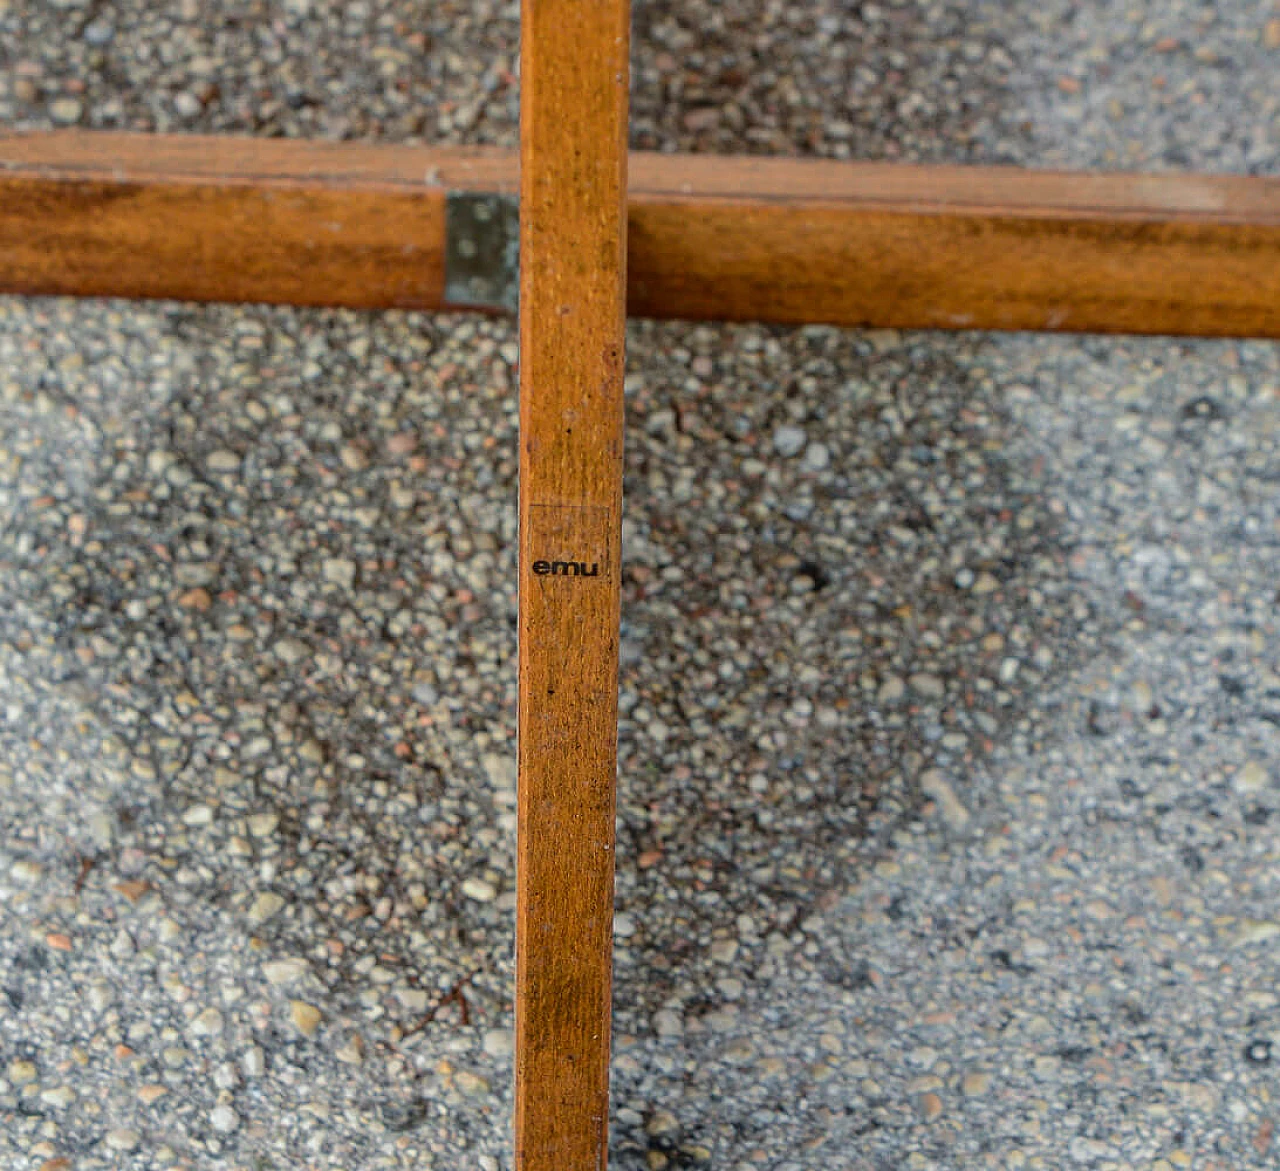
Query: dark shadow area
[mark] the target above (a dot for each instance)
(257, 618)
(839, 587)
(928, 82)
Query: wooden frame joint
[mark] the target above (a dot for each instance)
(482, 250)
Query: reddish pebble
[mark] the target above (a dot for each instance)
(197, 599)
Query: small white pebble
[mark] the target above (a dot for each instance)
(25, 872)
(1252, 778)
(284, 971)
(186, 104)
(817, 456)
(206, 1024)
(339, 572)
(123, 1139)
(480, 890)
(223, 461)
(290, 650)
(471, 1084)
(65, 111)
(198, 815)
(265, 906)
(500, 768)
(499, 1042)
(723, 951)
(224, 1119)
(263, 825)
(21, 1072)
(225, 1076)
(891, 690)
(928, 685)
(60, 1097)
(668, 1023)
(413, 1000)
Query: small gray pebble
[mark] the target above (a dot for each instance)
(99, 32)
(789, 441)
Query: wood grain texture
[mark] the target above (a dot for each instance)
(784, 240)
(231, 219)
(954, 247)
(573, 124)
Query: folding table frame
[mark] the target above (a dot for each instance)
(779, 240)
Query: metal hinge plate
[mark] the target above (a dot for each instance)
(482, 250)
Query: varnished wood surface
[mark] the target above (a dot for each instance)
(238, 160)
(219, 219)
(735, 238)
(573, 122)
(214, 218)
(956, 248)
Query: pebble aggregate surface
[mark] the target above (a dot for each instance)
(949, 788)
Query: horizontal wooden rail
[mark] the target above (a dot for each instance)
(785, 240)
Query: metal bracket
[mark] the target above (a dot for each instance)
(482, 250)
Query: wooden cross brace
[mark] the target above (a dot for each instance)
(784, 240)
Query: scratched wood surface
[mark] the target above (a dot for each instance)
(573, 121)
(785, 240)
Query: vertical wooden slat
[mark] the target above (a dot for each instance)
(572, 315)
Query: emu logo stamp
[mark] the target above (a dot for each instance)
(569, 541)
(566, 568)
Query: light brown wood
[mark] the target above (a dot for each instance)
(573, 129)
(783, 240)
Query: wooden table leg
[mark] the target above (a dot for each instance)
(574, 71)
